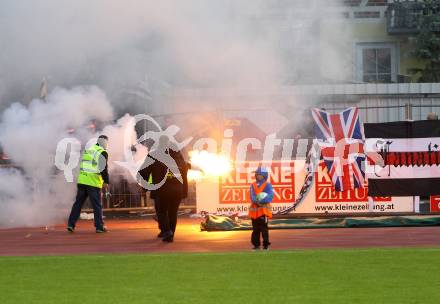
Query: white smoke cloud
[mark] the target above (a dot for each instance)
(192, 43)
(37, 193)
(123, 149)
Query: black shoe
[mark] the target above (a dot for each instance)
(169, 237)
(102, 230)
(160, 235)
(266, 248)
(71, 229)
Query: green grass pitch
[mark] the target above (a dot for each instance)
(307, 276)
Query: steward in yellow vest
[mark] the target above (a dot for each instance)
(89, 169)
(93, 176)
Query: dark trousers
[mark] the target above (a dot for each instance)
(157, 214)
(94, 195)
(260, 227)
(166, 209)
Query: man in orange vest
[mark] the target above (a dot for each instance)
(260, 210)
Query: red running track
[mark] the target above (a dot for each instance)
(139, 236)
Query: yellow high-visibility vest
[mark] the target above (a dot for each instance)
(89, 172)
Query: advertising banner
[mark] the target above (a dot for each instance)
(435, 203)
(323, 198)
(230, 194)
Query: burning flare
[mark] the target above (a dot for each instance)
(207, 164)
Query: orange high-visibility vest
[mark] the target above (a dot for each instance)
(258, 210)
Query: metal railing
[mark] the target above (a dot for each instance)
(129, 196)
(377, 109)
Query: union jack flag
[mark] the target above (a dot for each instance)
(341, 142)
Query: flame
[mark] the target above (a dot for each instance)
(208, 165)
(195, 175)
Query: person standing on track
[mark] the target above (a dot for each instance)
(260, 210)
(166, 165)
(93, 177)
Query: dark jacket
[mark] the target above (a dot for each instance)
(104, 173)
(172, 187)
